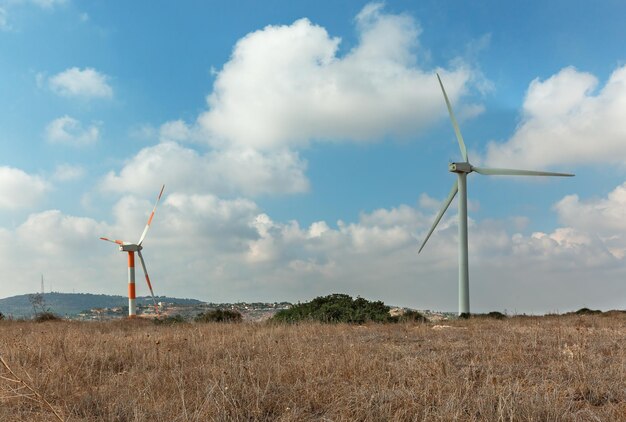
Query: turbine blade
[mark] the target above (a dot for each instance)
(145, 230)
(514, 172)
(457, 131)
(444, 207)
(145, 271)
(119, 242)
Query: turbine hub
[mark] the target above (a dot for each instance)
(463, 167)
(130, 248)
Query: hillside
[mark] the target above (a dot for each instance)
(74, 303)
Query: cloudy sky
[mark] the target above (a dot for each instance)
(304, 147)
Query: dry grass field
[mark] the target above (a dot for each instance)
(568, 368)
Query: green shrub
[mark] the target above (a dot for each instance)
(587, 311)
(336, 308)
(176, 319)
(219, 315)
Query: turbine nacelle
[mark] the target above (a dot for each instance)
(462, 167)
(130, 247)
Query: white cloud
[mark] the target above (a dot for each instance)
(567, 121)
(19, 189)
(219, 249)
(403, 215)
(86, 83)
(4, 21)
(194, 231)
(225, 172)
(470, 111)
(54, 234)
(604, 218)
(68, 172)
(10, 4)
(382, 262)
(605, 215)
(377, 257)
(68, 131)
(218, 224)
(428, 202)
(59, 246)
(143, 132)
(286, 85)
(566, 247)
(176, 131)
(49, 4)
(40, 79)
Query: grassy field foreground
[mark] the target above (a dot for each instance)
(540, 369)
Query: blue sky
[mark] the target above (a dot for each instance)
(305, 147)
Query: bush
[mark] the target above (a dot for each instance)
(411, 316)
(219, 315)
(336, 308)
(176, 319)
(614, 313)
(1, 316)
(587, 311)
(490, 315)
(47, 316)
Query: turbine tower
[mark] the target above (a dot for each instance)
(131, 248)
(462, 169)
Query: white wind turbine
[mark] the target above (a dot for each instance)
(131, 248)
(462, 169)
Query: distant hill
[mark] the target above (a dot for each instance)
(74, 303)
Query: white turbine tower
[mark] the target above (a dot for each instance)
(462, 169)
(131, 248)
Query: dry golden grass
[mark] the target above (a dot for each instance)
(522, 369)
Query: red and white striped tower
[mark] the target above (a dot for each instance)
(131, 248)
(132, 305)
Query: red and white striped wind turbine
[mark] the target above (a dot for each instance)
(131, 248)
